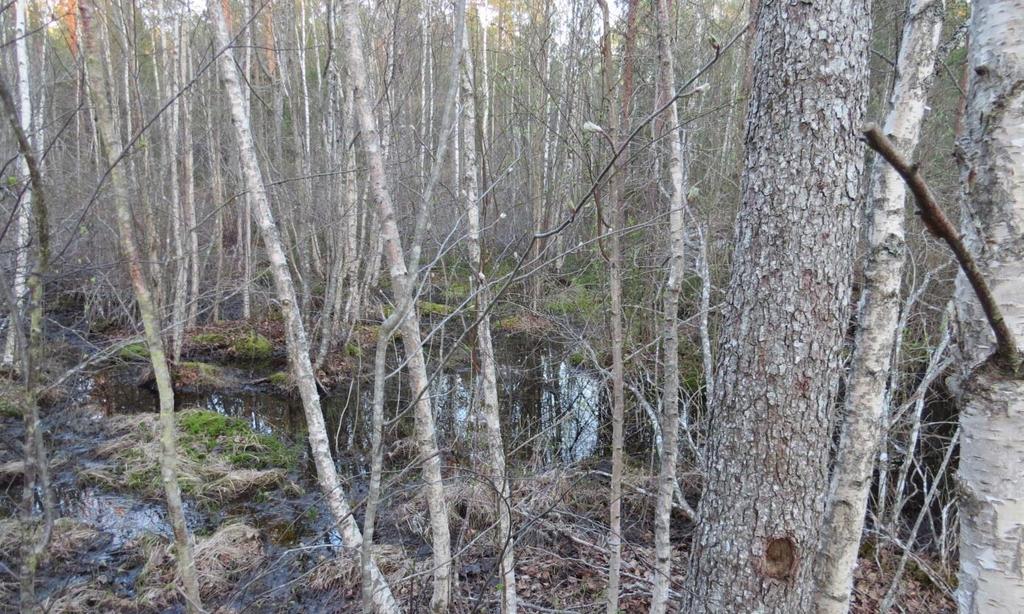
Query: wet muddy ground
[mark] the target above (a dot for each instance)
(269, 546)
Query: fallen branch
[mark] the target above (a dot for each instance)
(939, 225)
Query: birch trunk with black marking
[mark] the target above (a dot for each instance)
(785, 314)
(677, 170)
(878, 314)
(404, 291)
(110, 153)
(23, 205)
(295, 334)
(992, 413)
(485, 348)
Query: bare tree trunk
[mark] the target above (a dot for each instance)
(36, 476)
(188, 200)
(613, 225)
(21, 234)
(485, 347)
(879, 311)
(992, 413)
(766, 461)
(180, 290)
(298, 347)
(401, 282)
(678, 173)
(103, 111)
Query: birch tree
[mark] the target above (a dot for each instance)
(992, 412)
(485, 346)
(785, 313)
(102, 102)
(295, 334)
(402, 284)
(878, 314)
(677, 169)
(21, 235)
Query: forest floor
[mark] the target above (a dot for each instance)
(264, 540)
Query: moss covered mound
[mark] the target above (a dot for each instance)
(220, 458)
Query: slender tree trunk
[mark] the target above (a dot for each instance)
(102, 104)
(678, 173)
(21, 235)
(402, 286)
(298, 347)
(36, 476)
(188, 201)
(766, 461)
(992, 413)
(613, 224)
(879, 311)
(485, 347)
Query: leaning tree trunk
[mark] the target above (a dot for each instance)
(879, 312)
(295, 334)
(766, 461)
(402, 286)
(992, 414)
(104, 113)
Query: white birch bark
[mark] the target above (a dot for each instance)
(21, 235)
(879, 312)
(677, 169)
(992, 415)
(100, 91)
(488, 372)
(401, 282)
(298, 347)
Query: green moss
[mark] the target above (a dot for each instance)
(211, 339)
(352, 350)
(9, 404)
(577, 302)
(281, 379)
(204, 433)
(134, 352)
(577, 359)
(253, 347)
(456, 290)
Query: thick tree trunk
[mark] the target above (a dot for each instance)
(678, 174)
(402, 286)
(879, 312)
(298, 347)
(766, 462)
(992, 415)
(104, 114)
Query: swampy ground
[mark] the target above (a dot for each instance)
(265, 541)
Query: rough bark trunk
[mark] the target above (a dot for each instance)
(786, 310)
(401, 282)
(992, 416)
(879, 311)
(298, 347)
(100, 90)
